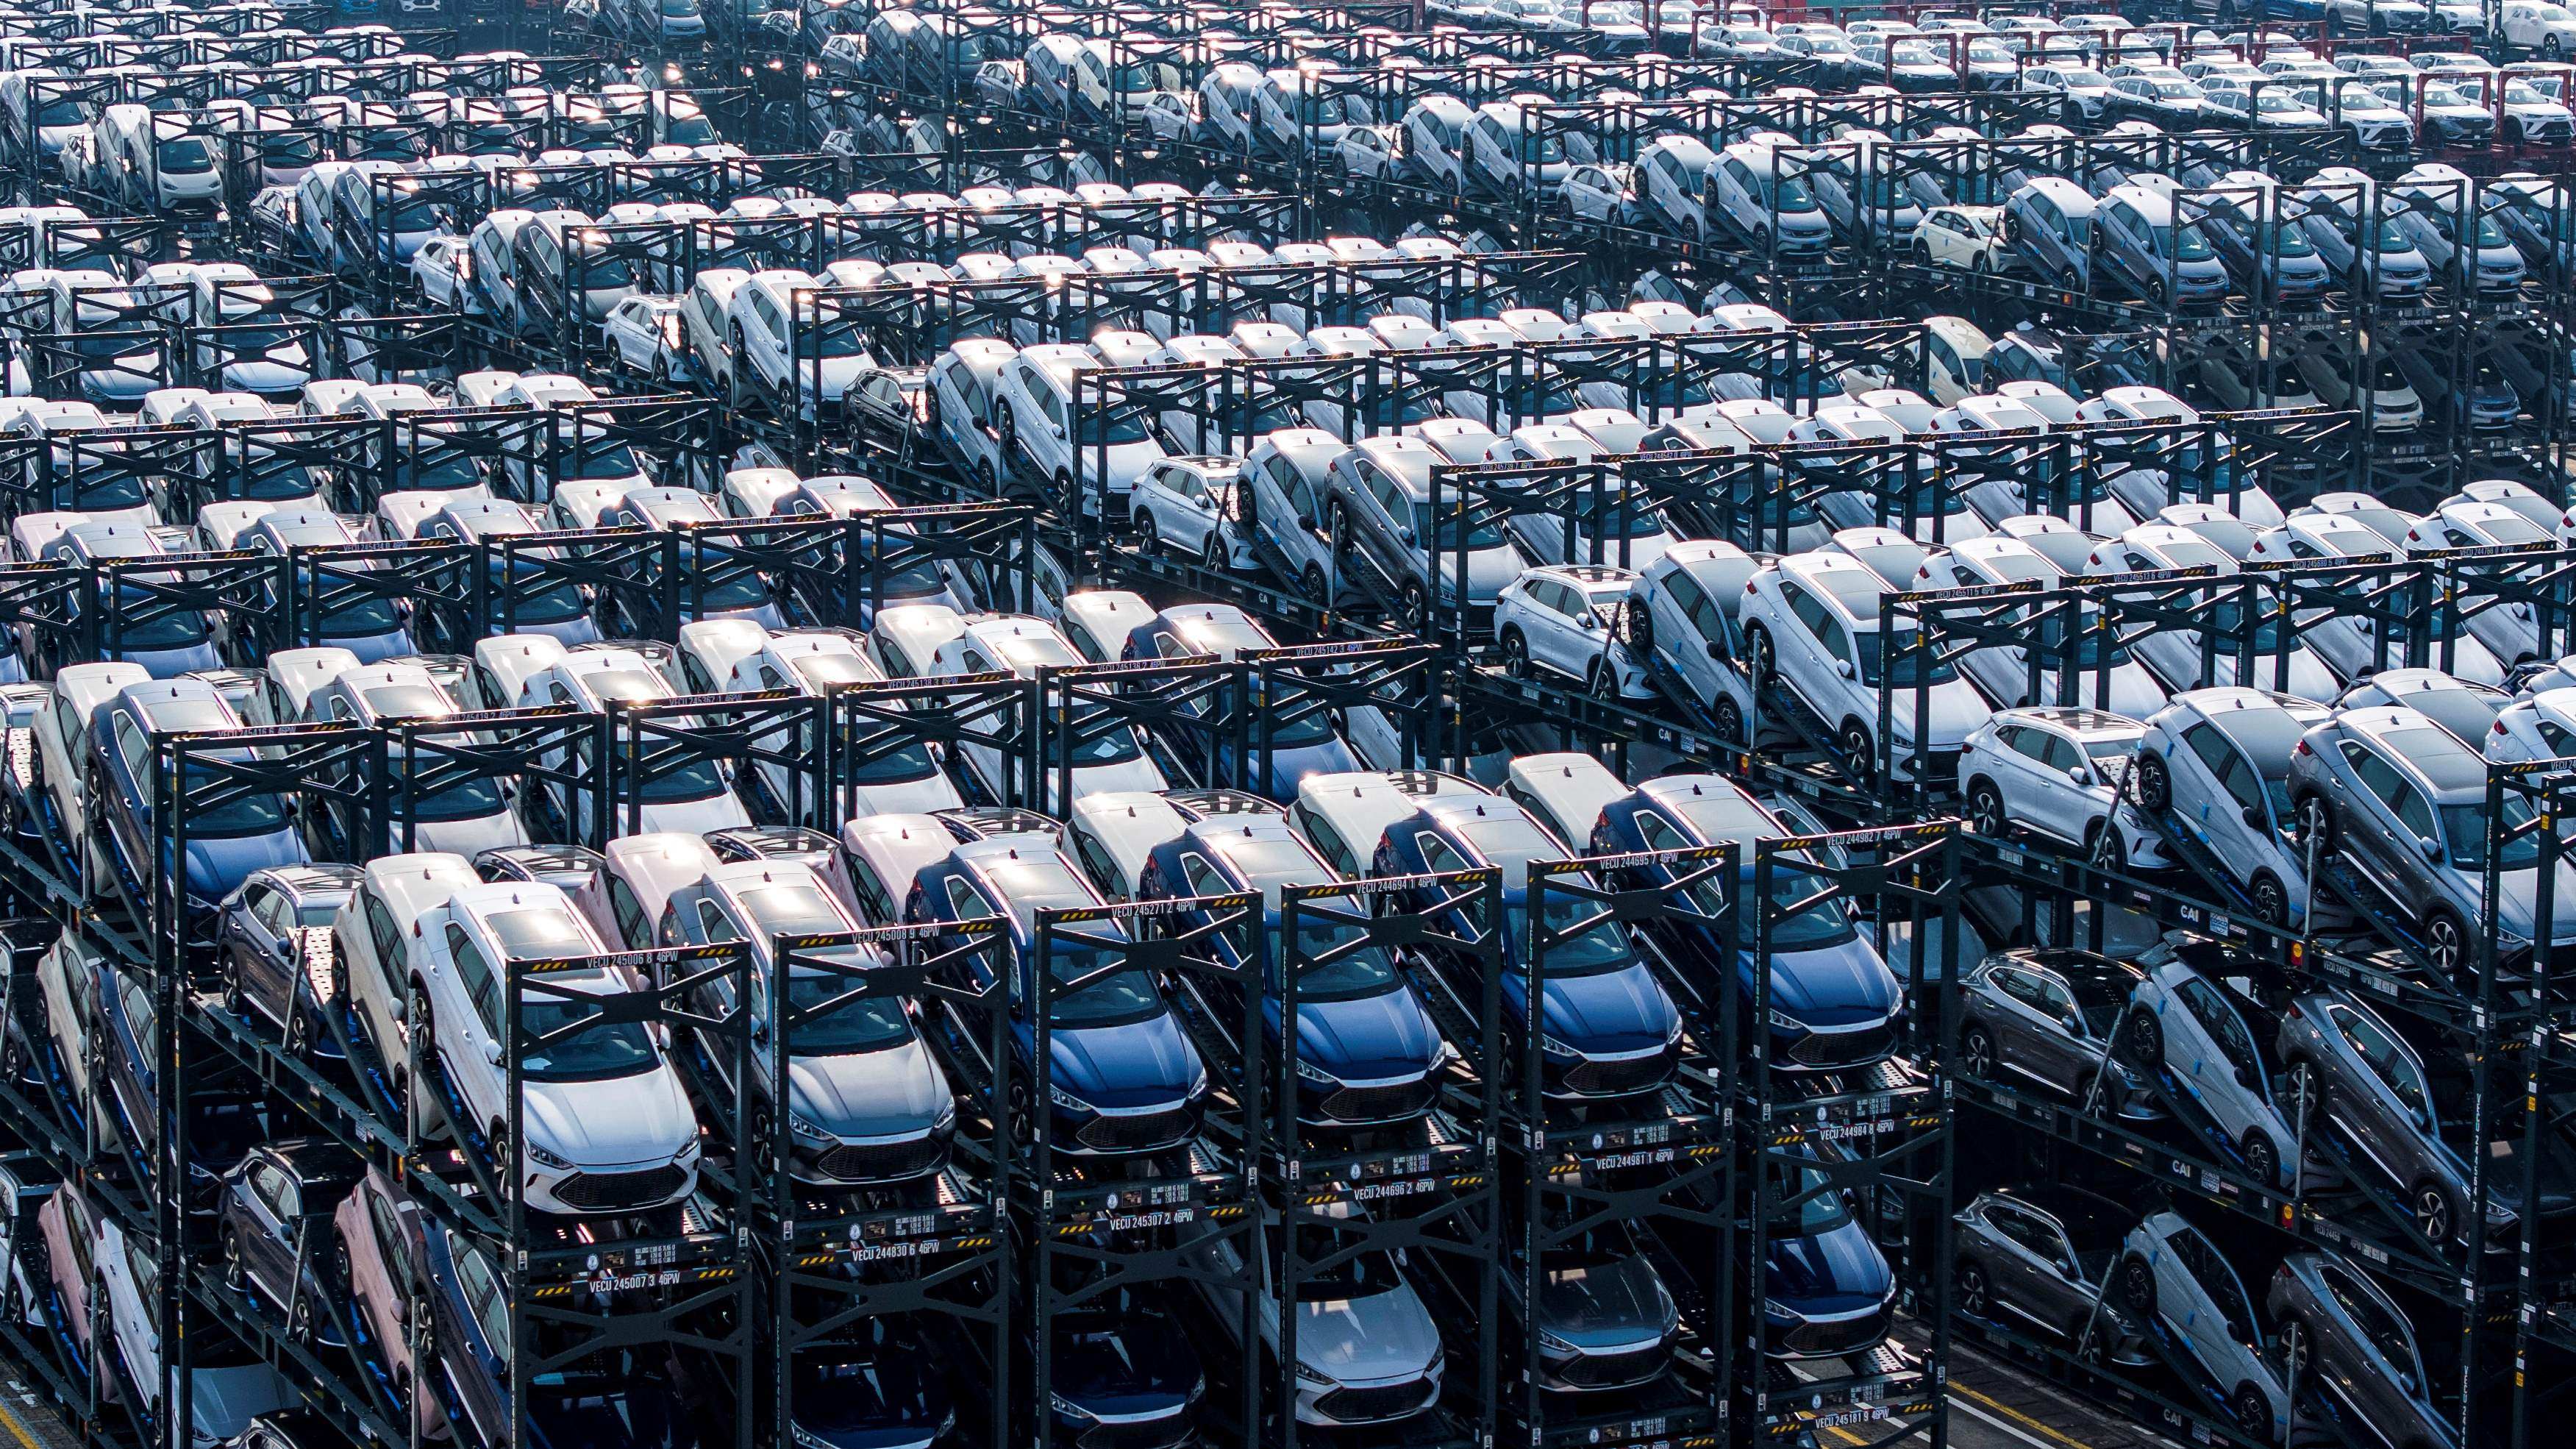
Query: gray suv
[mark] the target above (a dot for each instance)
(2403, 802)
(2038, 1256)
(2340, 1332)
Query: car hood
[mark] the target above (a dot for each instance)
(1138, 1064)
(1386, 1335)
(1837, 985)
(1836, 1271)
(457, 837)
(613, 1123)
(885, 1093)
(1368, 1038)
(217, 864)
(1150, 1368)
(1605, 1305)
(1615, 1011)
(2518, 905)
(223, 1401)
(1489, 572)
(1956, 708)
(909, 797)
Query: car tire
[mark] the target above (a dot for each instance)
(1766, 670)
(2103, 849)
(1923, 254)
(2142, 1044)
(2155, 784)
(1986, 809)
(1601, 679)
(2551, 47)
(1417, 609)
(1860, 755)
(2436, 1216)
(1318, 589)
(2137, 1286)
(1212, 553)
(1636, 627)
(1730, 724)
(1148, 539)
(1974, 1295)
(1977, 1051)
(2446, 942)
(2298, 1342)
(2088, 1341)
(2270, 901)
(1516, 660)
(2262, 1160)
(2316, 824)
(2252, 1412)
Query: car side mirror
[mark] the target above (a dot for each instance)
(2073, 1024)
(1717, 649)
(1406, 535)
(1588, 621)
(2254, 816)
(2432, 849)
(1843, 667)
(2079, 774)
(492, 1052)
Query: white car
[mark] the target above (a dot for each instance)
(2540, 26)
(609, 1127)
(1186, 504)
(2171, 1272)
(2056, 772)
(1564, 618)
(440, 268)
(1597, 192)
(2539, 727)
(644, 336)
(1970, 238)
(1811, 623)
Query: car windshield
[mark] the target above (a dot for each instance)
(1593, 950)
(255, 814)
(860, 1024)
(475, 798)
(1487, 533)
(2490, 234)
(1913, 666)
(1822, 1212)
(172, 629)
(1790, 196)
(689, 130)
(598, 1049)
(694, 780)
(185, 155)
(596, 461)
(535, 601)
(722, 583)
(2467, 829)
(442, 474)
(2184, 243)
(1801, 922)
(1361, 972)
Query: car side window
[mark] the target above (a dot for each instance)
(714, 923)
(388, 940)
(2380, 1052)
(1657, 833)
(1328, 842)
(2221, 1022)
(876, 903)
(1201, 876)
(481, 986)
(1437, 856)
(138, 755)
(390, 1238)
(2059, 753)
(267, 905)
(967, 902)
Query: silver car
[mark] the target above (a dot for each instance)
(2340, 1333)
(2399, 799)
(2172, 1273)
(1368, 1350)
(2039, 1257)
(2215, 764)
(2189, 1032)
(2047, 1017)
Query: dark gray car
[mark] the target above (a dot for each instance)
(2038, 1256)
(2344, 1339)
(2403, 802)
(2378, 1101)
(2046, 1016)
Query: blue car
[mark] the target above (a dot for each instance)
(1826, 1289)
(1606, 1027)
(1221, 631)
(243, 831)
(1367, 1051)
(171, 642)
(1833, 1002)
(1122, 1077)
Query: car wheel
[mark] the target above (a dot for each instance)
(1008, 430)
(985, 479)
(2296, 1339)
(2138, 1286)
(2550, 47)
(2446, 943)
(1516, 660)
(1986, 809)
(2316, 824)
(1860, 757)
(2253, 1413)
(1977, 1052)
(1757, 643)
(2302, 1098)
(1417, 608)
(1636, 627)
(1982, 263)
(2142, 1045)
(1730, 723)
(2088, 1338)
(2271, 903)
(1923, 253)
(1976, 1296)
(2435, 1217)
(2155, 784)
(1762, 240)
(1602, 680)
(2102, 848)
(1148, 538)
(2262, 1159)
(1318, 588)
(1212, 552)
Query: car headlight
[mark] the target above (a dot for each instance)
(1783, 1021)
(1308, 1071)
(1067, 1407)
(947, 1115)
(805, 1127)
(1063, 1098)
(2498, 1213)
(1550, 1341)
(1552, 1047)
(549, 1159)
(1199, 1083)
(1675, 1034)
(1306, 1375)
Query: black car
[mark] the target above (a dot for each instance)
(269, 935)
(2035, 1259)
(275, 1211)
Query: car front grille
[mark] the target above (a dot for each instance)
(1380, 1104)
(1613, 1370)
(618, 1191)
(1848, 1335)
(2551, 133)
(1383, 1401)
(1614, 1079)
(880, 1162)
(1137, 1133)
(1151, 1434)
(1844, 1048)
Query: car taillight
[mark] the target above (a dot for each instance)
(2499, 726)
(2303, 749)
